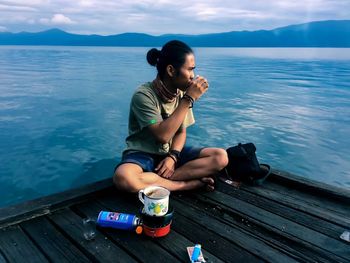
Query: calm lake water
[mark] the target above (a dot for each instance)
(64, 111)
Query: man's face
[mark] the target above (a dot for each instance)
(185, 74)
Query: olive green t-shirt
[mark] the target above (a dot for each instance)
(147, 108)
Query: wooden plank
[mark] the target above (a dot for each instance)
(17, 247)
(296, 215)
(54, 245)
(210, 240)
(329, 205)
(142, 247)
(316, 241)
(298, 203)
(177, 243)
(100, 249)
(174, 242)
(15, 214)
(2, 258)
(315, 196)
(238, 236)
(304, 184)
(259, 230)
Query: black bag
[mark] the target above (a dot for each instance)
(243, 164)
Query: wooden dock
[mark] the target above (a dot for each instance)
(287, 219)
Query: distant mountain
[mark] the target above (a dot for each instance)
(332, 33)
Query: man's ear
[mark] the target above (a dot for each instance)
(170, 70)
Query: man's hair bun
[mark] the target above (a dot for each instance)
(153, 56)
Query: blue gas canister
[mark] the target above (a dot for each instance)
(118, 220)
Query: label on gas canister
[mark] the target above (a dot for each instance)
(117, 220)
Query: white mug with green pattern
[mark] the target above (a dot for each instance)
(155, 200)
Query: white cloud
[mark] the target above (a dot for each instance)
(16, 8)
(3, 29)
(20, 2)
(57, 19)
(165, 16)
(61, 19)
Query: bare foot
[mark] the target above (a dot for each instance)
(209, 183)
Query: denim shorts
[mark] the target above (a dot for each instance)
(148, 162)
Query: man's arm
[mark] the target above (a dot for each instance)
(179, 140)
(166, 167)
(166, 130)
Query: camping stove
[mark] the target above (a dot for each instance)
(153, 226)
(156, 226)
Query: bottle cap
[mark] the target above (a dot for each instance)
(139, 230)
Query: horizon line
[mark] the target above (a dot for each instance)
(181, 34)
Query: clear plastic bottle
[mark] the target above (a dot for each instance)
(89, 228)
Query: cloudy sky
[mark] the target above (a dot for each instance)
(106, 17)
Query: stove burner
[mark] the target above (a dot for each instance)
(156, 226)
